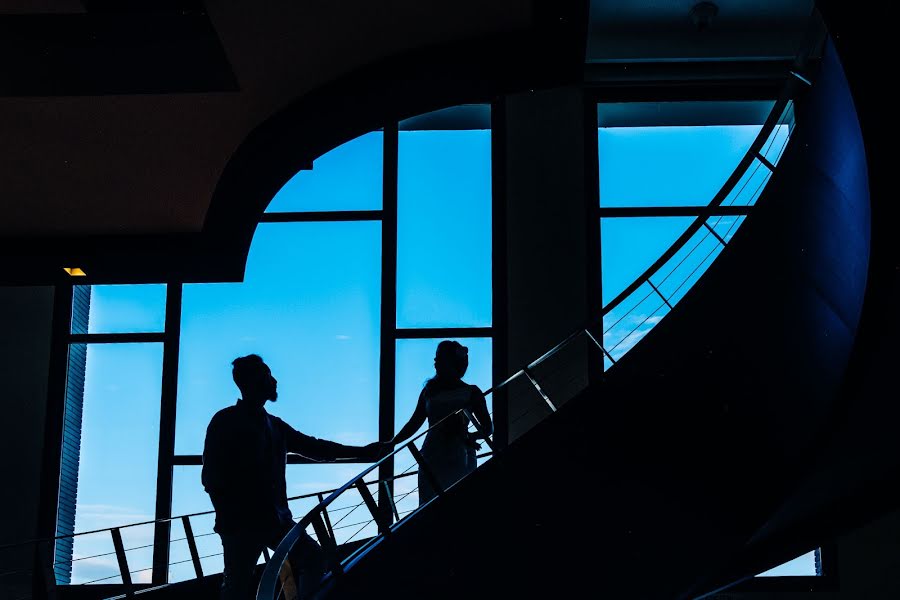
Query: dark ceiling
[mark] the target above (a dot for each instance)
(120, 119)
(130, 125)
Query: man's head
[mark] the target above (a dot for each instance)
(254, 378)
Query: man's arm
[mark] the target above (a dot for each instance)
(323, 450)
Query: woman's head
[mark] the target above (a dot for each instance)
(451, 359)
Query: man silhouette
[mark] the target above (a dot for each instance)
(244, 459)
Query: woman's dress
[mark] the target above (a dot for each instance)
(447, 450)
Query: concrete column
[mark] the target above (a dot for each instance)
(547, 245)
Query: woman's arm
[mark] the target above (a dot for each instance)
(480, 412)
(415, 422)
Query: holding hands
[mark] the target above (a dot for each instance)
(376, 451)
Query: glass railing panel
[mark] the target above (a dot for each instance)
(526, 406)
(564, 374)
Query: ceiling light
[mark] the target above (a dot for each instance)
(74, 271)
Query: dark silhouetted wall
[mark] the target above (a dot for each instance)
(25, 320)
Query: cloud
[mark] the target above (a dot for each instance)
(105, 569)
(103, 516)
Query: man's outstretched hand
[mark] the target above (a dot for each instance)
(376, 451)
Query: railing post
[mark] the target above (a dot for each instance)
(325, 516)
(389, 498)
(765, 161)
(192, 546)
(377, 514)
(713, 231)
(123, 561)
(658, 293)
(328, 544)
(600, 346)
(540, 391)
(425, 469)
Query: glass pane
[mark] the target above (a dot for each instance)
(188, 497)
(121, 308)
(685, 268)
(119, 453)
(444, 229)
(669, 166)
(631, 320)
(630, 245)
(310, 306)
(415, 365)
(348, 177)
(527, 407)
(802, 565)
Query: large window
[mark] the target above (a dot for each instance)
(346, 307)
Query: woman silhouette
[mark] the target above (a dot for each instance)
(449, 449)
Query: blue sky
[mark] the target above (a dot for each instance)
(310, 305)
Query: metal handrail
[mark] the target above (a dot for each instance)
(153, 522)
